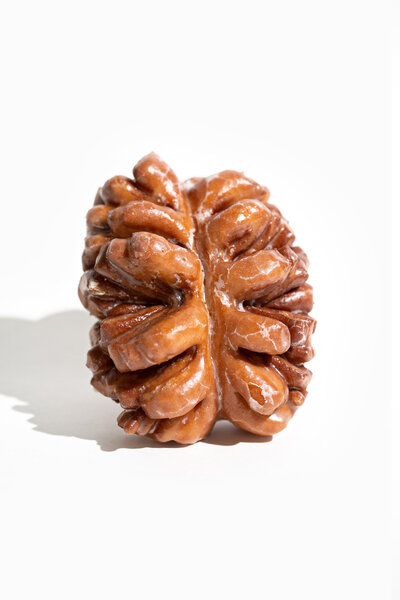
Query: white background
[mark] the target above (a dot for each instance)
(296, 94)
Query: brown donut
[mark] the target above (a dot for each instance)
(202, 304)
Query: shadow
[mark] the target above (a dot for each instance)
(43, 366)
(226, 434)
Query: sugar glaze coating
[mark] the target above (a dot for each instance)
(202, 304)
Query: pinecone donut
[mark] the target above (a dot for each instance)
(202, 304)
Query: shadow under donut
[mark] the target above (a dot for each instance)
(43, 366)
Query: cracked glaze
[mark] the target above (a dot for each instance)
(202, 304)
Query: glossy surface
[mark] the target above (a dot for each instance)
(202, 304)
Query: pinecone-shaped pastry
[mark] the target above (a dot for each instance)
(201, 303)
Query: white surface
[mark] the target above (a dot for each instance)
(395, 296)
(296, 94)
